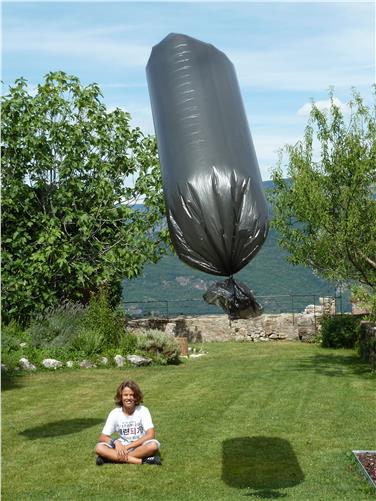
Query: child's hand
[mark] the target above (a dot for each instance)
(122, 451)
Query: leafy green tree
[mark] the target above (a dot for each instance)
(70, 221)
(325, 209)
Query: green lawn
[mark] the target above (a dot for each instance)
(258, 421)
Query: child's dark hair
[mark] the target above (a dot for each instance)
(138, 395)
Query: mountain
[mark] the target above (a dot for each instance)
(172, 287)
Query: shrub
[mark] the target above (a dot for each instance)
(56, 326)
(161, 347)
(12, 335)
(367, 343)
(88, 342)
(127, 343)
(100, 317)
(340, 331)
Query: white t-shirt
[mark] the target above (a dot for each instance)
(130, 428)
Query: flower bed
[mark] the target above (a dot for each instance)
(367, 462)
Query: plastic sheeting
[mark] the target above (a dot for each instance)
(234, 298)
(216, 209)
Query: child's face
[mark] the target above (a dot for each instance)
(127, 398)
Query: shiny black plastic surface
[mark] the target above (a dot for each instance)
(216, 209)
(234, 297)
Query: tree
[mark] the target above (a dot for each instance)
(70, 222)
(325, 211)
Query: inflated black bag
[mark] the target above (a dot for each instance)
(216, 208)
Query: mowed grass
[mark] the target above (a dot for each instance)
(247, 420)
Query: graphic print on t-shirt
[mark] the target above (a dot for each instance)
(131, 430)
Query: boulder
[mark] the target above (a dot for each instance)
(103, 361)
(137, 360)
(70, 363)
(51, 363)
(87, 364)
(25, 364)
(119, 360)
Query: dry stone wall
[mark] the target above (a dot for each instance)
(266, 327)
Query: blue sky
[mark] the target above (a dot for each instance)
(284, 53)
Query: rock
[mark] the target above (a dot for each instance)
(119, 360)
(103, 361)
(25, 364)
(197, 355)
(137, 360)
(4, 367)
(87, 364)
(70, 363)
(239, 339)
(273, 336)
(51, 363)
(282, 336)
(170, 328)
(23, 345)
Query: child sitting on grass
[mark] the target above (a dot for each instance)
(132, 421)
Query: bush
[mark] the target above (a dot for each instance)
(101, 318)
(340, 331)
(161, 347)
(88, 342)
(12, 335)
(57, 326)
(127, 343)
(367, 343)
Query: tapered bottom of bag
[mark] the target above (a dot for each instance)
(235, 299)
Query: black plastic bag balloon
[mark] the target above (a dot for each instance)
(216, 209)
(234, 297)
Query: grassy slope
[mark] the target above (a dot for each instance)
(261, 420)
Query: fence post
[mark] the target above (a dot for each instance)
(292, 307)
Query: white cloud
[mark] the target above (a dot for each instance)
(342, 60)
(305, 110)
(89, 44)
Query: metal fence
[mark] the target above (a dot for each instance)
(284, 303)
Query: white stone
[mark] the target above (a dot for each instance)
(51, 363)
(25, 364)
(170, 328)
(4, 367)
(273, 336)
(137, 360)
(87, 364)
(104, 360)
(22, 345)
(197, 355)
(240, 338)
(119, 360)
(70, 363)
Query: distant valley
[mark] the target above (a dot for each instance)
(172, 287)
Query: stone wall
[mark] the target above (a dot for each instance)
(367, 343)
(266, 327)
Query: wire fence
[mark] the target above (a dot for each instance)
(284, 303)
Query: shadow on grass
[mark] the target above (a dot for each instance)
(263, 464)
(10, 381)
(57, 428)
(331, 364)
